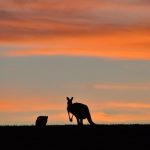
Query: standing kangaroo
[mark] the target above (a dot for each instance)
(79, 110)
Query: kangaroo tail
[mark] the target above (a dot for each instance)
(89, 118)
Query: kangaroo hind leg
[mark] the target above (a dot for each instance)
(78, 121)
(81, 121)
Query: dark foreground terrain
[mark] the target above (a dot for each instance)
(68, 137)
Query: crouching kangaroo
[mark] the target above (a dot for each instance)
(79, 110)
(41, 121)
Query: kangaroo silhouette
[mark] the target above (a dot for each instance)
(79, 110)
(41, 121)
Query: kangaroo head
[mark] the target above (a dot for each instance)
(69, 100)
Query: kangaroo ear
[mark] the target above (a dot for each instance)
(67, 98)
(71, 98)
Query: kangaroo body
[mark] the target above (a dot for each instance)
(80, 111)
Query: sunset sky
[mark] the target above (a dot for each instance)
(97, 51)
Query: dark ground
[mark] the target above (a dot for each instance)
(68, 137)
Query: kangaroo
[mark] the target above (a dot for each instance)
(79, 110)
(41, 121)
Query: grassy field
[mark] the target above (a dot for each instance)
(68, 137)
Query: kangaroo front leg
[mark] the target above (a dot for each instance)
(70, 118)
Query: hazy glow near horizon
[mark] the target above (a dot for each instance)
(96, 51)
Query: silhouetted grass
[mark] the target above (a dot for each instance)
(79, 137)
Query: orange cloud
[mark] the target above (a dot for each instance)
(117, 30)
(113, 54)
(29, 105)
(122, 45)
(69, 18)
(121, 118)
(120, 112)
